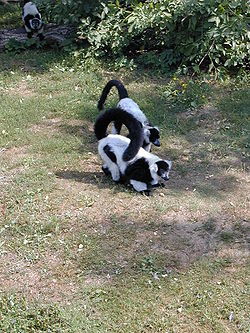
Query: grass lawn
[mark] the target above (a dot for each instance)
(79, 253)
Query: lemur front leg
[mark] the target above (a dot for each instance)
(158, 185)
(40, 34)
(29, 32)
(114, 172)
(106, 170)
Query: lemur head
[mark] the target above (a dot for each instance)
(35, 23)
(152, 135)
(164, 167)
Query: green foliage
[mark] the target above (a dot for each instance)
(164, 34)
(182, 93)
(67, 11)
(15, 46)
(10, 16)
(211, 35)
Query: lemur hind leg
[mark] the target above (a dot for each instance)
(111, 163)
(140, 187)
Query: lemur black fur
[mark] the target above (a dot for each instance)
(106, 117)
(124, 159)
(151, 133)
(32, 20)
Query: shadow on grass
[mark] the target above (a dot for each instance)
(208, 178)
(38, 61)
(86, 177)
(98, 179)
(172, 242)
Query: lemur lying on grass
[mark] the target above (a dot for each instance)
(150, 133)
(123, 158)
(32, 20)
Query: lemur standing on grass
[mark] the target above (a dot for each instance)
(150, 133)
(32, 20)
(123, 158)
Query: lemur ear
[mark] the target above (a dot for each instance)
(169, 164)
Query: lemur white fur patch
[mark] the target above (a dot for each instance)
(130, 106)
(138, 186)
(30, 8)
(118, 145)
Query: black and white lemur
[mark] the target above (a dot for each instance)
(32, 20)
(123, 158)
(151, 133)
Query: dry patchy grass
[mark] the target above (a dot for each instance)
(69, 236)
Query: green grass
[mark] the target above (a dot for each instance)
(79, 253)
(193, 299)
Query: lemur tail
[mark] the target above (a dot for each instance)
(133, 125)
(112, 83)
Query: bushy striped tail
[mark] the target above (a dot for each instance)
(112, 83)
(133, 125)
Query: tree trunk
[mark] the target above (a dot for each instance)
(53, 34)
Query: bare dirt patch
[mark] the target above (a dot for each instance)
(12, 163)
(52, 126)
(22, 90)
(45, 278)
(172, 245)
(47, 126)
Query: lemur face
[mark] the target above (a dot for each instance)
(154, 136)
(35, 23)
(163, 169)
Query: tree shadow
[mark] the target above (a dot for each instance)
(96, 178)
(86, 177)
(28, 61)
(208, 179)
(167, 244)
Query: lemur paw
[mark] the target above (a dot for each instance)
(106, 171)
(146, 192)
(158, 185)
(41, 37)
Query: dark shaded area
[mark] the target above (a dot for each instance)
(16, 40)
(98, 179)
(86, 177)
(162, 244)
(40, 61)
(208, 178)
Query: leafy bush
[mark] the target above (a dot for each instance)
(201, 34)
(67, 11)
(206, 34)
(10, 16)
(184, 94)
